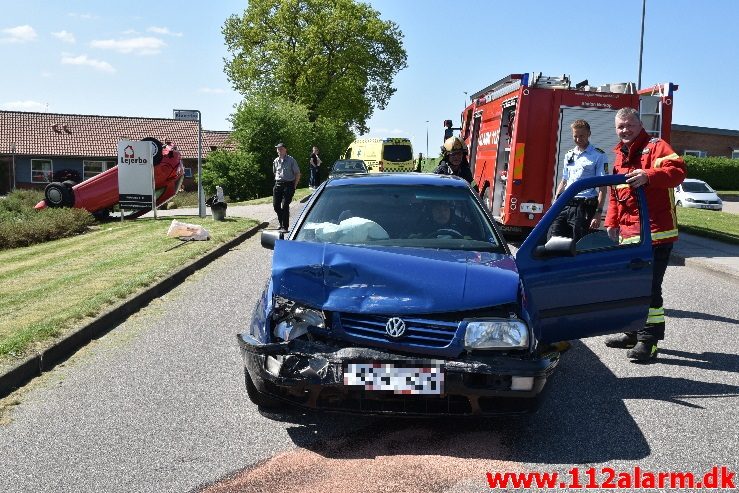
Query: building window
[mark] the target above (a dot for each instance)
(41, 170)
(92, 168)
(695, 153)
(188, 172)
(735, 154)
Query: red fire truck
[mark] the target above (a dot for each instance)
(517, 131)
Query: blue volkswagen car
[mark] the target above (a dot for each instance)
(396, 294)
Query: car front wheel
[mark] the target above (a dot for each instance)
(58, 195)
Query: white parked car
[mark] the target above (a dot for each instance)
(697, 194)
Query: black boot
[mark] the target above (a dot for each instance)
(643, 351)
(622, 341)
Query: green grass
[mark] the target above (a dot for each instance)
(722, 226)
(46, 289)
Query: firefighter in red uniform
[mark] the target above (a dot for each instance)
(454, 161)
(650, 163)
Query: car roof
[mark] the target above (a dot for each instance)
(695, 180)
(397, 179)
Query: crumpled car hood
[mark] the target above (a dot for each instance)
(391, 280)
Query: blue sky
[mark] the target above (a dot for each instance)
(139, 58)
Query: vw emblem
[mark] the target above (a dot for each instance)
(395, 327)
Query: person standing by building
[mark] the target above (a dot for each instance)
(583, 212)
(454, 160)
(315, 169)
(287, 177)
(650, 163)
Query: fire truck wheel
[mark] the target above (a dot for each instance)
(158, 146)
(58, 195)
(486, 197)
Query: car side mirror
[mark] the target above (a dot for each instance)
(556, 246)
(269, 238)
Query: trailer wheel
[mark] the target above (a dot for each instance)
(58, 195)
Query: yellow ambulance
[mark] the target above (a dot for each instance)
(383, 155)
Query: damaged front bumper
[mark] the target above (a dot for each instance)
(312, 375)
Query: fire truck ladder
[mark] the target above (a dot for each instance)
(562, 82)
(650, 110)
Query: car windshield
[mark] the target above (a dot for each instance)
(349, 167)
(696, 187)
(400, 216)
(397, 153)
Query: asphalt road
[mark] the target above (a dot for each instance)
(158, 405)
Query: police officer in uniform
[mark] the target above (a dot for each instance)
(287, 177)
(583, 212)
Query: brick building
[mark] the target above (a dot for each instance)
(33, 146)
(704, 141)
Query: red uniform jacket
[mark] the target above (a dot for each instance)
(665, 170)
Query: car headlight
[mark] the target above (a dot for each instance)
(496, 333)
(689, 199)
(291, 319)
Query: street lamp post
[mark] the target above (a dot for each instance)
(427, 140)
(465, 100)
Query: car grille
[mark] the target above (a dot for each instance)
(710, 202)
(419, 331)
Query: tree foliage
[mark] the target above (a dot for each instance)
(260, 123)
(336, 57)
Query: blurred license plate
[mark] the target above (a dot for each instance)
(705, 207)
(427, 380)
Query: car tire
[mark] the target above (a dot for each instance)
(159, 147)
(58, 195)
(69, 183)
(486, 199)
(679, 204)
(263, 401)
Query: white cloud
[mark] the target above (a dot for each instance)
(64, 36)
(89, 62)
(23, 106)
(163, 30)
(18, 34)
(212, 90)
(139, 46)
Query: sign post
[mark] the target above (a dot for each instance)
(194, 115)
(136, 175)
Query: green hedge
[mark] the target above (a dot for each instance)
(722, 173)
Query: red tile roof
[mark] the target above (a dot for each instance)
(57, 134)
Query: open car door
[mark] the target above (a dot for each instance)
(591, 288)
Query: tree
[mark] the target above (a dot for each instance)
(336, 57)
(259, 123)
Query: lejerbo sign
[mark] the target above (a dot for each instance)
(136, 174)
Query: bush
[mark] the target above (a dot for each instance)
(21, 225)
(722, 173)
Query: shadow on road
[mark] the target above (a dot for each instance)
(582, 419)
(672, 313)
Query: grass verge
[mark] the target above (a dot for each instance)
(722, 226)
(48, 288)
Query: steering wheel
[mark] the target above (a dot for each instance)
(447, 232)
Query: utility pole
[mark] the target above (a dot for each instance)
(641, 42)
